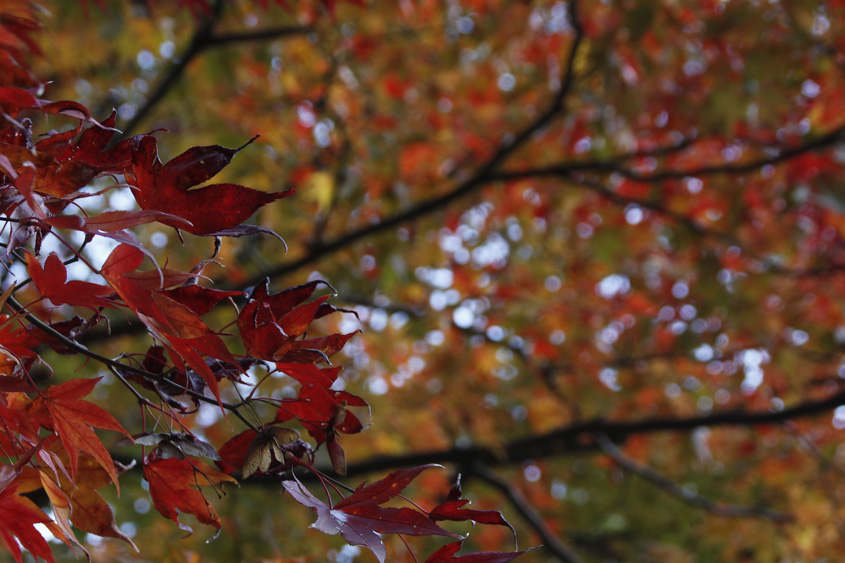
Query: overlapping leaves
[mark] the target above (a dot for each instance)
(49, 431)
(360, 518)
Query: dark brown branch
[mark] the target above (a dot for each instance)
(487, 174)
(347, 239)
(204, 38)
(672, 488)
(198, 42)
(116, 367)
(479, 178)
(581, 437)
(613, 166)
(268, 34)
(557, 106)
(551, 542)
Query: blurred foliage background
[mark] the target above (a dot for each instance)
(664, 242)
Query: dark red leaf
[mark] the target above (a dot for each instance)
(209, 209)
(385, 489)
(73, 419)
(18, 517)
(452, 509)
(175, 487)
(51, 281)
(361, 521)
(446, 554)
(198, 299)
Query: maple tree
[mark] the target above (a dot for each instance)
(587, 256)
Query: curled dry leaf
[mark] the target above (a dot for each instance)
(173, 445)
(336, 454)
(267, 446)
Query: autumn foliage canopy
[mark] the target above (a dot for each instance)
(567, 273)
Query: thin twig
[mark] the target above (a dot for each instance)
(116, 365)
(664, 483)
(613, 166)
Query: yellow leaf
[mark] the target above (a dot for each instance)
(319, 187)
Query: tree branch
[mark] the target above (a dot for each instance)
(672, 488)
(558, 104)
(771, 265)
(221, 39)
(204, 38)
(486, 174)
(582, 437)
(551, 542)
(115, 366)
(198, 42)
(479, 178)
(613, 166)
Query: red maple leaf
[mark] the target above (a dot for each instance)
(360, 519)
(167, 188)
(17, 524)
(187, 338)
(73, 419)
(452, 509)
(51, 281)
(174, 487)
(446, 555)
(269, 322)
(313, 350)
(199, 299)
(317, 405)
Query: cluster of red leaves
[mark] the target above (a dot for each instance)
(360, 518)
(47, 432)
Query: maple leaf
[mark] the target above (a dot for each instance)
(187, 338)
(263, 448)
(68, 161)
(91, 513)
(18, 517)
(199, 299)
(320, 409)
(233, 453)
(76, 500)
(174, 487)
(452, 509)
(447, 553)
(73, 419)
(269, 322)
(313, 350)
(138, 289)
(110, 222)
(60, 502)
(209, 209)
(360, 519)
(51, 281)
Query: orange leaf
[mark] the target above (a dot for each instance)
(174, 487)
(91, 513)
(73, 419)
